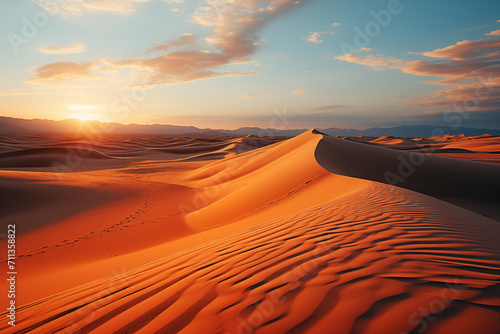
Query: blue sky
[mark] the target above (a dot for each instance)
(232, 63)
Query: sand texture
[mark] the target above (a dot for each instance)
(164, 234)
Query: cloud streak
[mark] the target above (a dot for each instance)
(329, 107)
(184, 41)
(79, 7)
(269, 94)
(62, 50)
(315, 37)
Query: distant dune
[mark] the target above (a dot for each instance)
(465, 183)
(178, 234)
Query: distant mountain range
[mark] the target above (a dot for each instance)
(398, 131)
(18, 125)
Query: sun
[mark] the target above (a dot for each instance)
(82, 117)
(83, 112)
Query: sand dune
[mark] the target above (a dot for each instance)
(44, 157)
(483, 143)
(117, 145)
(465, 183)
(248, 235)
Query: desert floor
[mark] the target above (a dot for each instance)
(311, 234)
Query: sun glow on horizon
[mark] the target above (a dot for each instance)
(83, 112)
(83, 117)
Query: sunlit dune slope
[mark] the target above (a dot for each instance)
(269, 183)
(295, 237)
(484, 143)
(484, 148)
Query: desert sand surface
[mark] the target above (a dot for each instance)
(484, 148)
(172, 234)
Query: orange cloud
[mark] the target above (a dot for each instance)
(300, 92)
(376, 62)
(235, 24)
(186, 40)
(177, 67)
(470, 68)
(493, 33)
(314, 37)
(465, 50)
(63, 70)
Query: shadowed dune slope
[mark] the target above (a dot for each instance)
(45, 157)
(25, 201)
(465, 183)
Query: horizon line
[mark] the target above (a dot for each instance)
(240, 127)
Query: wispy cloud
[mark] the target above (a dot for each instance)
(62, 50)
(465, 50)
(185, 40)
(162, 104)
(315, 37)
(79, 7)
(377, 62)
(471, 29)
(235, 24)
(20, 93)
(329, 107)
(269, 94)
(176, 2)
(468, 67)
(300, 92)
(176, 67)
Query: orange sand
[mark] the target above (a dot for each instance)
(161, 234)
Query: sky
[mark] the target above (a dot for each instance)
(270, 63)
